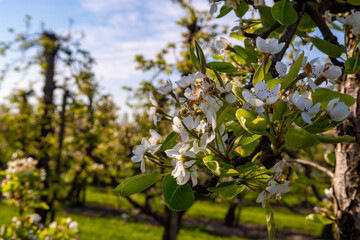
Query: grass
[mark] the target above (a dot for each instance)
(95, 228)
(209, 210)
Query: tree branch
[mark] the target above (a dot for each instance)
(286, 37)
(313, 164)
(324, 29)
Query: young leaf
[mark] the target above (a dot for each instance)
(330, 158)
(324, 96)
(352, 65)
(333, 140)
(228, 190)
(195, 61)
(267, 19)
(293, 73)
(137, 183)
(222, 66)
(177, 197)
(270, 221)
(212, 165)
(326, 47)
(224, 11)
(241, 9)
(296, 138)
(261, 72)
(170, 141)
(201, 57)
(284, 13)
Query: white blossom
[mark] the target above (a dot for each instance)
(152, 112)
(139, 152)
(333, 73)
(182, 173)
(262, 95)
(222, 44)
(73, 225)
(166, 89)
(213, 8)
(278, 189)
(281, 68)
(269, 46)
(338, 110)
(305, 105)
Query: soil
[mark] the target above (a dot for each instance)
(211, 226)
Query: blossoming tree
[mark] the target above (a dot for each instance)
(239, 118)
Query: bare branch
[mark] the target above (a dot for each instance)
(147, 211)
(313, 164)
(325, 30)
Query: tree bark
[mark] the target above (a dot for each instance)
(50, 50)
(346, 181)
(172, 224)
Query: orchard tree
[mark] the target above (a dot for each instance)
(241, 119)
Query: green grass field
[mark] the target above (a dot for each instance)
(209, 210)
(96, 228)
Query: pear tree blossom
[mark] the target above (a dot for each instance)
(236, 118)
(338, 110)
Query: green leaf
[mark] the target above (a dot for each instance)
(248, 138)
(266, 17)
(293, 73)
(324, 96)
(222, 113)
(195, 61)
(333, 140)
(170, 141)
(284, 13)
(228, 190)
(238, 92)
(330, 158)
(279, 109)
(270, 221)
(352, 65)
(224, 10)
(241, 9)
(296, 138)
(273, 82)
(217, 75)
(321, 125)
(318, 218)
(261, 72)
(354, 2)
(201, 57)
(137, 183)
(222, 66)
(257, 126)
(326, 47)
(177, 197)
(212, 165)
(250, 122)
(307, 23)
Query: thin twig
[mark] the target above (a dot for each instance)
(313, 164)
(324, 29)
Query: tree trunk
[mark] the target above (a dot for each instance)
(172, 224)
(49, 56)
(346, 181)
(230, 215)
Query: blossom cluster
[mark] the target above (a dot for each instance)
(202, 132)
(32, 229)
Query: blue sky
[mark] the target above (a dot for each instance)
(116, 30)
